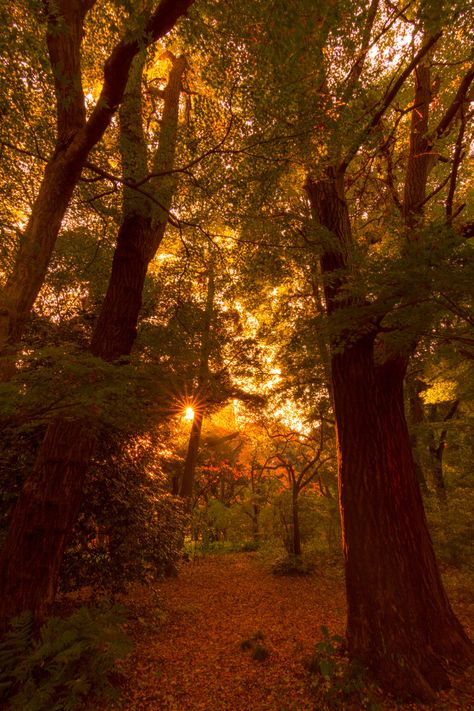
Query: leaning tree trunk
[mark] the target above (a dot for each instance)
(49, 502)
(75, 139)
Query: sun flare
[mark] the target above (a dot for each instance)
(189, 414)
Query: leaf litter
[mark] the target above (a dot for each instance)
(196, 638)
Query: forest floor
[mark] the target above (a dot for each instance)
(188, 633)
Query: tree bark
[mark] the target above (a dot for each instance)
(49, 502)
(31, 556)
(75, 139)
(399, 623)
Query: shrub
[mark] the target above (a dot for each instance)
(72, 660)
(293, 565)
(255, 644)
(337, 682)
(129, 529)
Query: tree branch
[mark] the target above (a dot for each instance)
(386, 101)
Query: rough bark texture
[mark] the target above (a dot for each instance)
(400, 623)
(32, 553)
(50, 499)
(75, 139)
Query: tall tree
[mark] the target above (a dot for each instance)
(187, 482)
(400, 622)
(50, 499)
(344, 128)
(76, 135)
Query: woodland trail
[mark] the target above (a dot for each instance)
(193, 660)
(188, 633)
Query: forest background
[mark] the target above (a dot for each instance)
(236, 248)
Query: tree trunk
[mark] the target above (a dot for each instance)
(64, 458)
(436, 452)
(255, 523)
(187, 482)
(436, 469)
(75, 140)
(296, 523)
(399, 623)
(47, 508)
(415, 408)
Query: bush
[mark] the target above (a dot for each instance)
(293, 565)
(129, 529)
(71, 661)
(256, 646)
(336, 682)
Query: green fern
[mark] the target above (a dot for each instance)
(71, 660)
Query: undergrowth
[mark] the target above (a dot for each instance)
(69, 662)
(336, 681)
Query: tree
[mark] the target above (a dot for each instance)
(51, 496)
(301, 457)
(76, 135)
(400, 622)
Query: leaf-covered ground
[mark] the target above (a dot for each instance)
(189, 632)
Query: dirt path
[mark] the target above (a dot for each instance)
(193, 659)
(188, 633)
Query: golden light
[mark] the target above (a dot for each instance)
(189, 414)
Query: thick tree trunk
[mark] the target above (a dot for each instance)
(75, 140)
(400, 623)
(47, 508)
